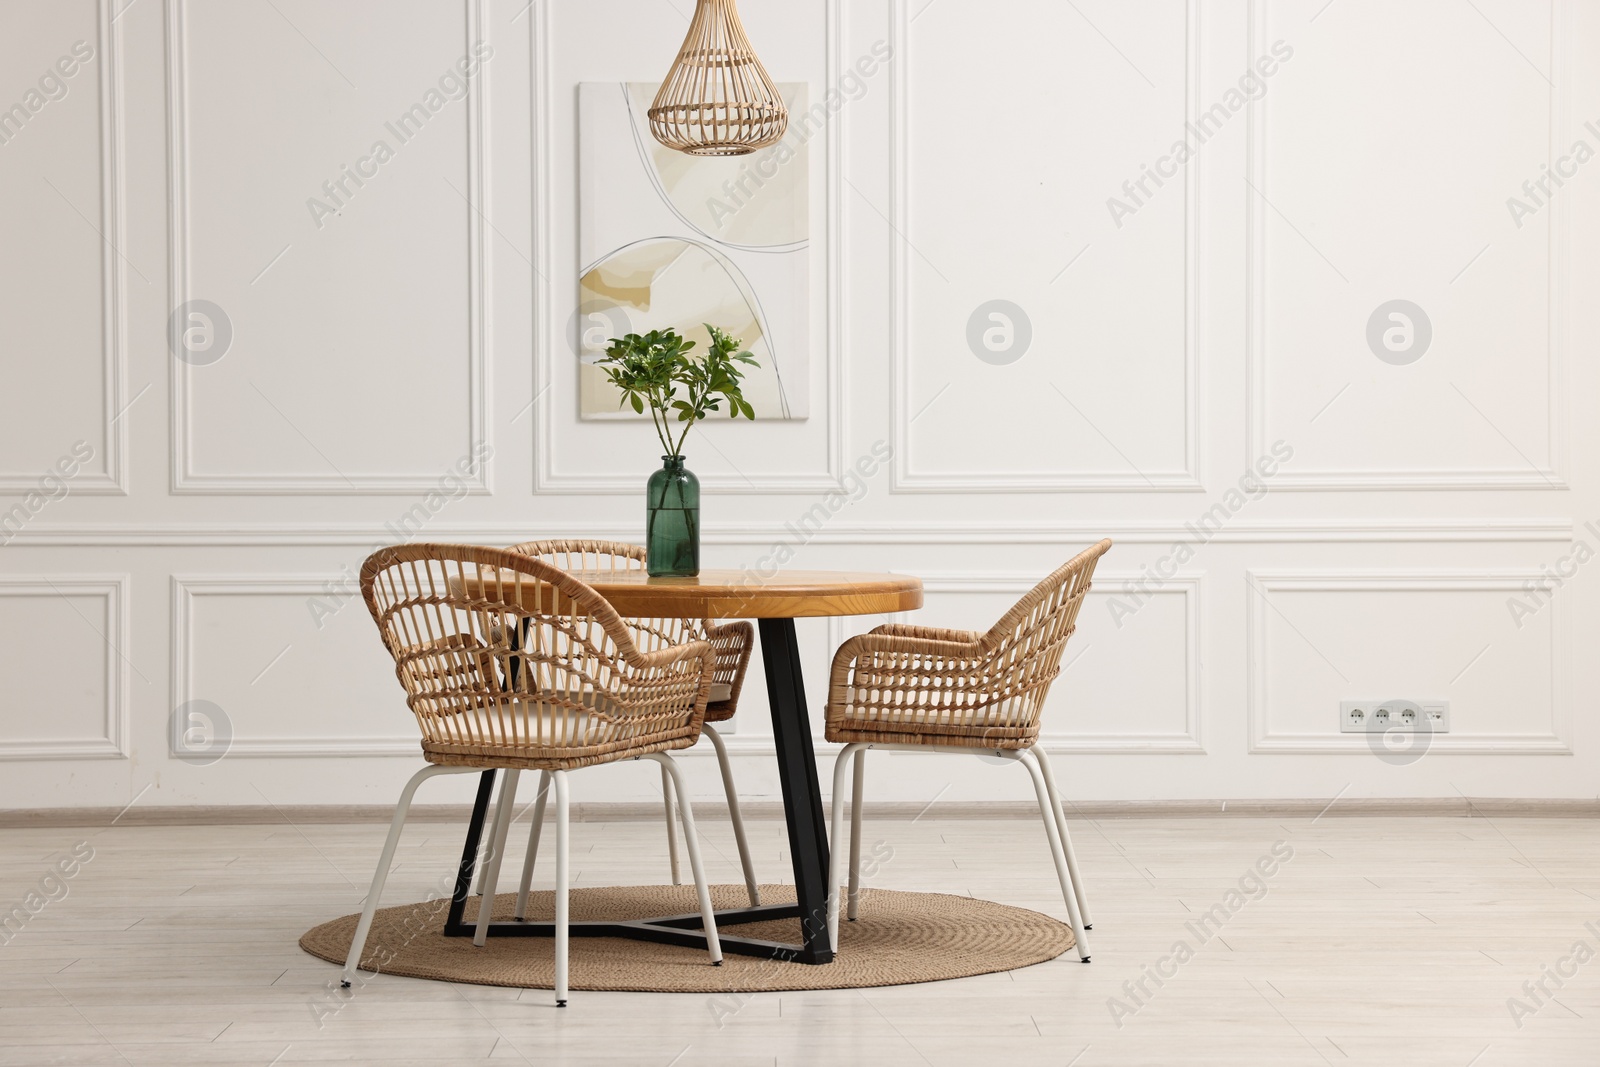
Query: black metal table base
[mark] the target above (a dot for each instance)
(685, 930)
(808, 840)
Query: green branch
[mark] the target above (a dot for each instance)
(650, 369)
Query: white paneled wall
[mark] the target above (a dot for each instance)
(342, 322)
(1390, 185)
(1106, 268)
(64, 285)
(1032, 232)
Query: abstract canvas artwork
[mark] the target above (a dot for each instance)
(668, 240)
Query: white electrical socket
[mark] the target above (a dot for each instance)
(1376, 716)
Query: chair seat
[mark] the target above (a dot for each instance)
(543, 734)
(721, 706)
(721, 693)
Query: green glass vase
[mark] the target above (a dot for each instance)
(672, 521)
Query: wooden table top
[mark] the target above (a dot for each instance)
(730, 594)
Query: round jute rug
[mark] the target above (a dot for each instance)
(900, 938)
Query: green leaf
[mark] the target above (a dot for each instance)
(654, 372)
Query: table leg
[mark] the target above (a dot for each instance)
(469, 854)
(797, 774)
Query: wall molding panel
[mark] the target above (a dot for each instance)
(113, 481)
(184, 477)
(187, 589)
(1294, 476)
(1260, 587)
(112, 589)
(904, 476)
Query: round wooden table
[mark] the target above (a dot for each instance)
(774, 602)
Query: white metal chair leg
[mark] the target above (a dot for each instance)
(733, 813)
(497, 852)
(1052, 832)
(561, 888)
(381, 875)
(708, 915)
(526, 884)
(1066, 838)
(835, 853)
(491, 845)
(508, 802)
(853, 901)
(672, 826)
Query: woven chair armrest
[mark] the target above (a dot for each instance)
(919, 657)
(931, 648)
(673, 654)
(716, 629)
(929, 633)
(687, 654)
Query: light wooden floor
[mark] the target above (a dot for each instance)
(1382, 941)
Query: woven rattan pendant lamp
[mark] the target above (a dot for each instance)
(718, 99)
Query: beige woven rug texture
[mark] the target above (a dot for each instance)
(900, 938)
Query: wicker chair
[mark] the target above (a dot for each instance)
(510, 663)
(919, 689)
(732, 642)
